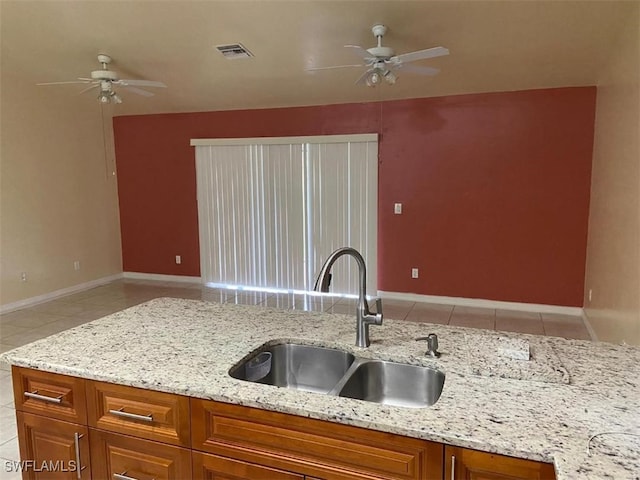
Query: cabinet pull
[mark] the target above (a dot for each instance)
(76, 440)
(133, 416)
(124, 476)
(453, 467)
(36, 396)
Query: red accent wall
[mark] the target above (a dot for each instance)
(495, 188)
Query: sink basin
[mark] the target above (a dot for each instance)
(302, 367)
(394, 384)
(335, 372)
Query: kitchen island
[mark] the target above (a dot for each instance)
(544, 410)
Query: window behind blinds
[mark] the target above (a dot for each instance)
(270, 211)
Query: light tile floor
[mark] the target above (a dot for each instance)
(30, 324)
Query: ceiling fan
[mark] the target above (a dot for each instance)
(105, 80)
(382, 62)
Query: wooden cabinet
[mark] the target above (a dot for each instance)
(97, 410)
(311, 447)
(466, 464)
(159, 416)
(122, 433)
(124, 457)
(60, 450)
(215, 467)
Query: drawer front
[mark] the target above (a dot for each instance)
(214, 467)
(50, 394)
(163, 417)
(121, 457)
(243, 432)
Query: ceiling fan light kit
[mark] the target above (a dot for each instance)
(105, 80)
(382, 62)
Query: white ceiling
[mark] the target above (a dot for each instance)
(495, 46)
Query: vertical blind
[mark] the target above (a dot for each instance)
(271, 210)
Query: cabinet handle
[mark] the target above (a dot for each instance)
(36, 396)
(453, 467)
(124, 476)
(133, 416)
(76, 440)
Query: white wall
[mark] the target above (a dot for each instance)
(57, 202)
(613, 248)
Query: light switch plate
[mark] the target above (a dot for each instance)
(397, 208)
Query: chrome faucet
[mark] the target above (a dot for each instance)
(364, 317)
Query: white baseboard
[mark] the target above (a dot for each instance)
(479, 302)
(587, 324)
(161, 277)
(31, 301)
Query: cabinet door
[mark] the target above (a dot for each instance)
(466, 464)
(214, 467)
(59, 450)
(122, 457)
(314, 447)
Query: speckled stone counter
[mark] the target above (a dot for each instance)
(546, 410)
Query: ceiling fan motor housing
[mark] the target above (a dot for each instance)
(381, 52)
(104, 75)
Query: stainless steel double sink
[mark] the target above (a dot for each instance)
(335, 372)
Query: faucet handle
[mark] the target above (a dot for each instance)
(378, 305)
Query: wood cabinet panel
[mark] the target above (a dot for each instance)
(62, 447)
(140, 434)
(469, 464)
(244, 432)
(113, 454)
(159, 416)
(214, 467)
(50, 394)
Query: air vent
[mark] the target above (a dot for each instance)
(234, 50)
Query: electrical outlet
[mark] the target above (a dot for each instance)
(590, 294)
(23, 277)
(178, 259)
(397, 208)
(76, 265)
(414, 273)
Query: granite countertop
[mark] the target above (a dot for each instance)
(545, 409)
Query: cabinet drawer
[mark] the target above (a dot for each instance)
(50, 394)
(163, 417)
(62, 446)
(214, 467)
(288, 440)
(121, 457)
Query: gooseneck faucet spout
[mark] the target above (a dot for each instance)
(364, 317)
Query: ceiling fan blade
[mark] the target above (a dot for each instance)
(139, 91)
(87, 89)
(333, 67)
(363, 78)
(141, 83)
(420, 55)
(62, 83)
(419, 69)
(361, 52)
